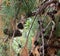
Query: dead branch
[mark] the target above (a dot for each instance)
(42, 7)
(42, 35)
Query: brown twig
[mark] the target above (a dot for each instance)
(42, 35)
(47, 26)
(53, 26)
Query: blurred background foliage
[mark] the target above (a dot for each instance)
(8, 11)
